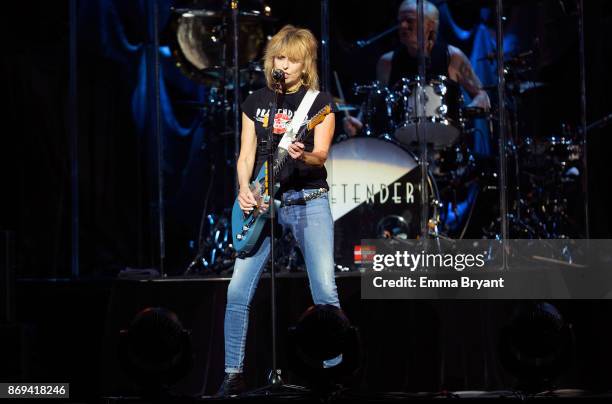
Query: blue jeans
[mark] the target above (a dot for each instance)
(312, 227)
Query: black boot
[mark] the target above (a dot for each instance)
(233, 384)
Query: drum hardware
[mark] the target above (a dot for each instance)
(396, 227)
(518, 86)
(598, 124)
(288, 257)
(546, 174)
(251, 78)
(365, 42)
(341, 101)
(215, 253)
(392, 226)
(516, 182)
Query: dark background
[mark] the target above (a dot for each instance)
(116, 155)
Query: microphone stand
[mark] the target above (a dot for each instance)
(274, 377)
(275, 381)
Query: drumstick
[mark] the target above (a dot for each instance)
(341, 93)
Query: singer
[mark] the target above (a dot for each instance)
(290, 65)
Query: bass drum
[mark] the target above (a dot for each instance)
(374, 193)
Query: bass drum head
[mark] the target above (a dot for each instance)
(374, 193)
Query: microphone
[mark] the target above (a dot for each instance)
(278, 75)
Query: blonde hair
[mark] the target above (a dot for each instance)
(296, 44)
(429, 9)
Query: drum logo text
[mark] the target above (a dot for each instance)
(396, 193)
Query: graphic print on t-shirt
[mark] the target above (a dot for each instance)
(282, 119)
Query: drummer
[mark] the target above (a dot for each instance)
(442, 59)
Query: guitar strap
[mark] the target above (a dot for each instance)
(298, 118)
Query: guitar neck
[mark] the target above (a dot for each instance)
(282, 155)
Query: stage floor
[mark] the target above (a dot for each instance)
(409, 345)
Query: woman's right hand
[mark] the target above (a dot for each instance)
(351, 125)
(246, 199)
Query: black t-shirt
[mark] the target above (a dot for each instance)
(295, 175)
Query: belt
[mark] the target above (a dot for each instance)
(300, 197)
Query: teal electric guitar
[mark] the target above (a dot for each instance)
(247, 227)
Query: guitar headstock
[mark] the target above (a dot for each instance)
(319, 117)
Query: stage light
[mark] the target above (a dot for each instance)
(155, 351)
(536, 346)
(324, 348)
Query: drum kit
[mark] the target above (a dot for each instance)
(374, 177)
(375, 181)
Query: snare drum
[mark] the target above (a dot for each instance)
(440, 112)
(374, 193)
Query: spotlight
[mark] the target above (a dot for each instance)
(537, 345)
(155, 351)
(324, 348)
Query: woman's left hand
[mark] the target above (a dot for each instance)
(296, 150)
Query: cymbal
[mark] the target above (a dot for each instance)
(525, 86)
(252, 15)
(202, 43)
(346, 107)
(510, 58)
(522, 86)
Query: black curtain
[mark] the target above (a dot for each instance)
(114, 221)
